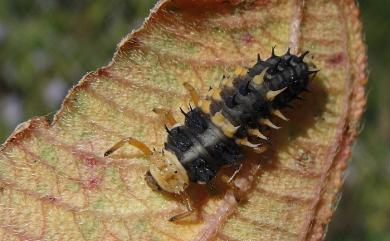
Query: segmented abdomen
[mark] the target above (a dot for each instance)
(235, 114)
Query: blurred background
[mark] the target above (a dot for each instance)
(46, 46)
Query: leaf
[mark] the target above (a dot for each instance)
(56, 185)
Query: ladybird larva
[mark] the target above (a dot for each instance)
(232, 116)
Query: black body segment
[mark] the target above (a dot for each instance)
(233, 113)
(201, 147)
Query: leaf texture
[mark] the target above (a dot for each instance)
(55, 183)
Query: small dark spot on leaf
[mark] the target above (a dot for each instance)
(336, 59)
(91, 161)
(93, 182)
(247, 38)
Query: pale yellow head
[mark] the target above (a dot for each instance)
(167, 173)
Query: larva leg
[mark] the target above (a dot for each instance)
(230, 182)
(236, 172)
(140, 145)
(191, 90)
(165, 115)
(189, 207)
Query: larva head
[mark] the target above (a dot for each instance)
(166, 173)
